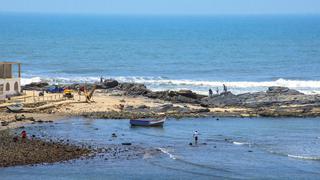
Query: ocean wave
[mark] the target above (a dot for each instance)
(162, 83)
(304, 157)
(25, 81)
(165, 151)
(240, 143)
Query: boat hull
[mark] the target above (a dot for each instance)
(15, 108)
(140, 122)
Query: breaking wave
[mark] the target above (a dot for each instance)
(165, 151)
(304, 157)
(162, 83)
(240, 143)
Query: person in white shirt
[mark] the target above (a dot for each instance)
(195, 136)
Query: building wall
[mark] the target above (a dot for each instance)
(9, 87)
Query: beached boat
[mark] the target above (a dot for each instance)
(147, 122)
(15, 107)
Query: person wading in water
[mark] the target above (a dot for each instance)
(195, 136)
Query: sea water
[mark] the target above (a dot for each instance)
(230, 148)
(247, 53)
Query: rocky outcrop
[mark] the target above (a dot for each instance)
(182, 96)
(221, 100)
(107, 84)
(278, 90)
(274, 96)
(37, 86)
(132, 89)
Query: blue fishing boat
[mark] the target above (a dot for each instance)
(147, 122)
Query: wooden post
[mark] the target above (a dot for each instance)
(19, 70)
(4, 70)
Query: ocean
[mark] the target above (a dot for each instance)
(247, 53)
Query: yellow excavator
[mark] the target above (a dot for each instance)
(68, 93)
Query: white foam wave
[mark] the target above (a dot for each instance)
(303, 157)
(240, 143)
(25, 81)
(165, 151)
(160, 83)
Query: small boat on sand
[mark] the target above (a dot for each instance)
(15, 107)
(147, 122)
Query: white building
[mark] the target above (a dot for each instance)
(10, 79)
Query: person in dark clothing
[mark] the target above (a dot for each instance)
(210, 93)
(225, 88)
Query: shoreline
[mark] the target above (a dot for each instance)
(114, 100)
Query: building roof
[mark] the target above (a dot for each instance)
(10, 63)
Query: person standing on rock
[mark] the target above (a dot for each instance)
(101, 79)
(217, 90)
(210, 93)
(225, 88)
(195, 136)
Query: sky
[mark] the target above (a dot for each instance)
(166, 7)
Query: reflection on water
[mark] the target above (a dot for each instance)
(229, 148)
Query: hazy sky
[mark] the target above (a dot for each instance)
(163, 6)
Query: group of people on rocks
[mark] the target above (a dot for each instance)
(225, 89)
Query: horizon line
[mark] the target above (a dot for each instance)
(158, 14)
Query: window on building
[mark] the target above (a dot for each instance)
(1, 89)
(16, 87)
(7, 87)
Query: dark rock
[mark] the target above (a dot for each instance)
(164, 108)
(187, 93)
(110, 83)
(4, 123)
(143, 107)
(126, 144)
(282, 91)
(35, 86)
(222, 100)
(133, 89)
(19, 117)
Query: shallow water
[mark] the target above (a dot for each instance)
(236, 148)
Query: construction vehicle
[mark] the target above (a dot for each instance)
(68, 93)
